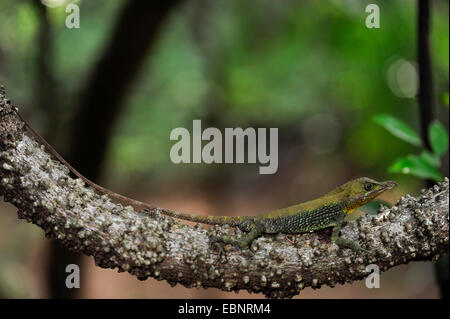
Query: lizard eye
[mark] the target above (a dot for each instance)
(368, 187)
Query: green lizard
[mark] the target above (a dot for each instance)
(326, 211)
(323, 212)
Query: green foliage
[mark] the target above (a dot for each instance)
(438, 138)
(398, 129)
(417, 166)
(430, 158)
(373, 207)
(427, 164)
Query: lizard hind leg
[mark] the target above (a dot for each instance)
(246, 241)
(253, 231)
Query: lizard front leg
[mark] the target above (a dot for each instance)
(343, 242)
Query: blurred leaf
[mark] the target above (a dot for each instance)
(431, 159)
(398, 128)
(445, 99)
(415, 165)
(438, 138)
(372, 207)
(27, 22)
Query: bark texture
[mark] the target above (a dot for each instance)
(153, 245)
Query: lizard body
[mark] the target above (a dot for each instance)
(326, 211)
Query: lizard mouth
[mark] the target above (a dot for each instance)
(384, 187)
(389, 184)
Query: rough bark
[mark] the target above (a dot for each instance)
(153, 245)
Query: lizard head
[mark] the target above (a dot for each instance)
(362, 190)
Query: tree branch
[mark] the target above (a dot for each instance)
(153, 245)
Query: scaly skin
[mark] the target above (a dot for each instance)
(326, 211)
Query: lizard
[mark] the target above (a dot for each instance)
(326, 211)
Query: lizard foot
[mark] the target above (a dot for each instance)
(348, 243)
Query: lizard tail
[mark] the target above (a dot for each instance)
(209, 220)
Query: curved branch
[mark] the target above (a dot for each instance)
(153, 245)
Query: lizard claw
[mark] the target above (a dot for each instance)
(357, 248)
(289, 240)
